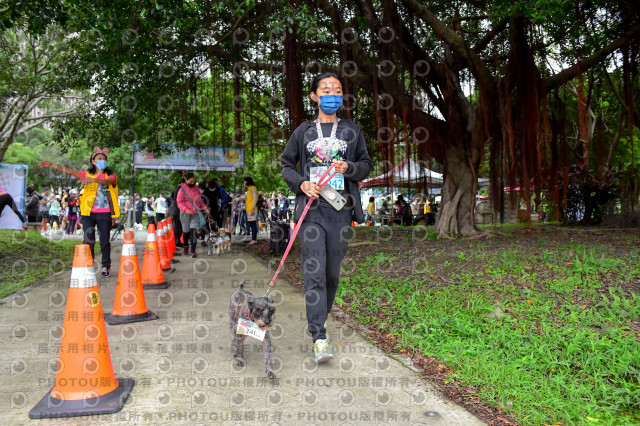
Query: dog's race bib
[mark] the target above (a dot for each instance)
(337, 181)
(250, 328)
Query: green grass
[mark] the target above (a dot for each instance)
(564, 352)
(26, 257)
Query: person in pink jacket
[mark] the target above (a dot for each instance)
(189, 206)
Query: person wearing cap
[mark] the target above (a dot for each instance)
(98, 202)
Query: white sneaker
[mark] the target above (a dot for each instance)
(321, 351)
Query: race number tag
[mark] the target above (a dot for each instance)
(249, 328)
(337, 182)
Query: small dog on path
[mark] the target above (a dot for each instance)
(261, 311)
(222, 242)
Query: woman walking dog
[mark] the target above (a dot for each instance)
(316, 145)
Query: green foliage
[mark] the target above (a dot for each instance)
(165, 71)
(563, 352)
(39, 258)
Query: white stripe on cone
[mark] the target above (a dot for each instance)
(83, 277)
(128, 249)
(151, 237)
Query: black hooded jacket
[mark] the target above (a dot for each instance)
(297, 159)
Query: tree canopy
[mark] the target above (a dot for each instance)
(524, 90)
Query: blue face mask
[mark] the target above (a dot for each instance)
(101, 164)
(330, 104)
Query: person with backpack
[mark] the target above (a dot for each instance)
(190, 204)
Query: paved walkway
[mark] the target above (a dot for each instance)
(182, 362)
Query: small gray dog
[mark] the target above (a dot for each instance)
(257, 309)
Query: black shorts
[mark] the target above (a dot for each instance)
(45, 215)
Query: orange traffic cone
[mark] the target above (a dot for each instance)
(85, 384)
(130, 305)
(152, 276)
(172, 238)
(165, 264)
(166, 232)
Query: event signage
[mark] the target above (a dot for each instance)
(201, 159)
(13, 180)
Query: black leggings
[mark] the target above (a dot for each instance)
(191, 235)
(71, 224)
(7, 200)
(253, 226)
(323, 244)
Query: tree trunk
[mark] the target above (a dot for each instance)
(237, 120)
(293, 82)
(4, 145)
(458, 194)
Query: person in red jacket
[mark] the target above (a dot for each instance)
(189, 203)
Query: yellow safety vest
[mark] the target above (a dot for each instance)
(250, 198)
(427, 207)
(88, 196)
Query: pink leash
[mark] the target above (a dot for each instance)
(321, 183)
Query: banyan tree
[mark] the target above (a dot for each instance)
(503, 87)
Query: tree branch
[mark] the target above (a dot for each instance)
(320, 45)
(10, 109)
(457, 44)
(488, 37)
(584, 64)
(24, 129)
(55, 114)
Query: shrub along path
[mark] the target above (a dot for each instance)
(538, 325)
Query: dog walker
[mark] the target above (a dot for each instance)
(331, 195)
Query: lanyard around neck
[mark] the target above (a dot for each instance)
(333, 129)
